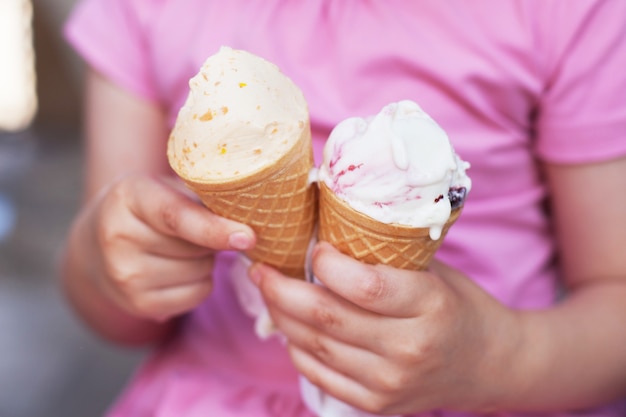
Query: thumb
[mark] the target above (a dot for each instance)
(378, 288)
(172, 212)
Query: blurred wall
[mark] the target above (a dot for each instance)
(59, 70)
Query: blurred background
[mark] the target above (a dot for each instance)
(50, 364)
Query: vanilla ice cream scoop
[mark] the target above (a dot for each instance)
(396, 167)
(236, 95)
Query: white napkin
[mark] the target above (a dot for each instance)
(249, 296)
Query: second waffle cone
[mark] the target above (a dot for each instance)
(370, 241)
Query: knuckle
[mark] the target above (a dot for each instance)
(109, 236)
(319, 348)
(377, 404)
(392, 380)
(171, 215)
(323, 315)
(109, 228)
(122, 272)
(371, 286)
(411, 350)
(439, 303)
(119, 190)
(144, 307)
(124, 276)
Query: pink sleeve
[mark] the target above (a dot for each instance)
(110, 35)
(582, 115)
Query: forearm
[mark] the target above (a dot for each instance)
(572, 356)
(574, 353)
(93, 306)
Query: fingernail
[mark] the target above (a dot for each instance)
(239, 241)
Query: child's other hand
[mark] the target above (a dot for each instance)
(390, 341)
(153, 246)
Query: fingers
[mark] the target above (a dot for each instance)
(126, 234)
(344, 358)
(373, 392)
(157, 287)
(377, 288)
(172, 212)
(165, 303)
(155, 246)
(313, 317)
(326, 378)
(156, 272)
(289, 299)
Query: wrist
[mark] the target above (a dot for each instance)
(505, 364)
(523, 355)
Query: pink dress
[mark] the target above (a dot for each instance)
(512, 82)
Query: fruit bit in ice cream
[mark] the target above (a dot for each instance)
(236, 95)
(396, 167)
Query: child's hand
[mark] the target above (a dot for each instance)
(392, 341)
(153, 246)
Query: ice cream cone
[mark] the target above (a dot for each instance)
(373, 242)
(242, 143)
(278, 202)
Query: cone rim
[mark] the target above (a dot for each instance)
(261, 174)
(394, 231)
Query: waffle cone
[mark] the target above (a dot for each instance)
(278, 202)
(373, 242)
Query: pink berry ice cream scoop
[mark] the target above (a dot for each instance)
(391, 186)
(397, 166)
